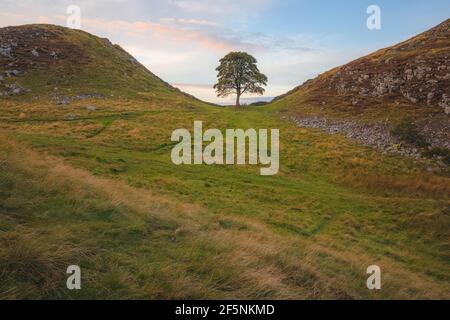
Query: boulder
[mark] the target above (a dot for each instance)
(5, 52)
(34, 52)
(11, 73)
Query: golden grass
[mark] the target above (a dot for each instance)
(243, 257)
(426, 185)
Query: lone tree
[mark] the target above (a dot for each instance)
(239, 74)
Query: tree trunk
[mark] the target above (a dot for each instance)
(238, 96)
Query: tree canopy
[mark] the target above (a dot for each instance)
(239, 74)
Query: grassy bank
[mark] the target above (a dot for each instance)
(100, 191)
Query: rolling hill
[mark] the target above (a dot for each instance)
(47, 60)
(86, 178)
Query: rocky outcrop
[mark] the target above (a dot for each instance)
(418, 70)
(377, 135)
(413, 76)
(415, 71)
(424, 80)
(65, 100)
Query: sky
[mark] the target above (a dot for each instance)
(182, 41)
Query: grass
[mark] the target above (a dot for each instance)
(98, 189)
(141, 227)
(86, 64)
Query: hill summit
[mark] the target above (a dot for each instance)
(395, 98)
(44, 59)
(417, 70)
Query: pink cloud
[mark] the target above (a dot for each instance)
(167, 32)
(170, 30)
(43, 19)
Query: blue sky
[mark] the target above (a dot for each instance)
(182, 40)
(346, 19)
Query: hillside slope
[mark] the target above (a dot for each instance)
(42, 60)
(408, 82)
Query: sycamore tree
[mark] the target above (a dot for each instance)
(238, 74)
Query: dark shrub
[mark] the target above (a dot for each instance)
(407, 132)
(444, 154)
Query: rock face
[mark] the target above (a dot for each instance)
(65, 100)
(417, 70)
(376, 135)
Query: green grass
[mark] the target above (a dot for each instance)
(86, 64)
(309, 232)
(98, 189)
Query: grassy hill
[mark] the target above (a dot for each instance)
(50, 61)
(90, 182)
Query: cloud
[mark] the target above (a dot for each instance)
(222, 7)
(170, 32)
(194, 22)
(182, 40)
